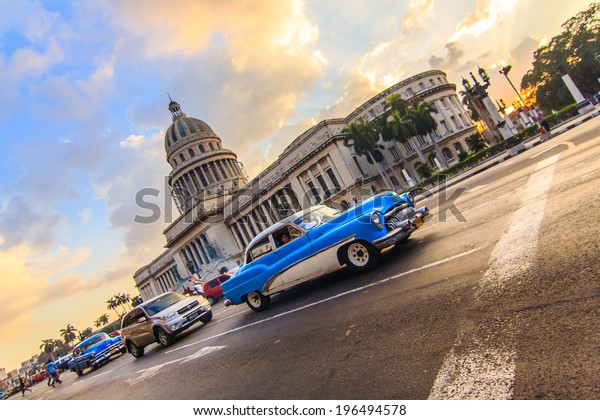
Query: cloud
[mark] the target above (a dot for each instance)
(23, 223)
(85, 216)
(483, 18)
(418, 12)
(453, 57)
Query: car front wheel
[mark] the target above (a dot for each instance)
(361, 256)
(135, 351)
(257, 301)
(206, 317)
(163, 338)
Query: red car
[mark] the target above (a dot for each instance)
(39, 377)
(212, 288)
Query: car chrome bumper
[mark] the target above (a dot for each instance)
(117, 348)
(183, 322)
(404, 229)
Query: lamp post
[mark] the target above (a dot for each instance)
(504, 71)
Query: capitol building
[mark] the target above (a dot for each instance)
(221, 209)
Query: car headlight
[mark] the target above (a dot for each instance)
(376, 219)
(93, 353)
(411, 198)
(169, 316)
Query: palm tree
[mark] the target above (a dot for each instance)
(48, 346)
(119, 301)
(125, 298)
(112, 304)
(103, 319)
(385, 133)
(68, 334)
(395, 102)
(97, 323)
(403, 130)
(85, 334)
(362, 137)
(425, 124)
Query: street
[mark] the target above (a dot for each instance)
(497, 297)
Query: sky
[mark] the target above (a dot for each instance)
(83, 110)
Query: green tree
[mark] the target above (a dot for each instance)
(68, 334)
(362, 137)
(573, 51)
(48, 346)
(420, 113)
(113, 304)
(475, 142)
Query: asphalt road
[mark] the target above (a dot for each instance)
(498, 297)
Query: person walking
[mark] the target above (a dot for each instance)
(23, 386)
(52, 373)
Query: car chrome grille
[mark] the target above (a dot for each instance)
(188, 307)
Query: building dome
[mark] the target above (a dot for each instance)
(184, 128)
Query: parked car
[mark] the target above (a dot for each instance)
(318, 241)
(3, 396)
(62, 363)
(161, 319)
(38, 377)
(94, 351)
(212, 288)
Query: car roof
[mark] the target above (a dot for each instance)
(282, 222)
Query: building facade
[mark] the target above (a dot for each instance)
(221, 209)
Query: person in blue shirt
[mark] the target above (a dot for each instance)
(53, 373)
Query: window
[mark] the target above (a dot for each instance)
(181, 129)
(259, 250)
(314, 191)
(191, 152)
(420, 140)
(394, 181)
(211, 146)
(447, 153)
(431, 82)
(458, 147)
(454, 122)
(323, 185)
(421, 86)
(333, 179)
(395, 154)
(181, 157)
(202, 149)
(408, 148)
(445, 125)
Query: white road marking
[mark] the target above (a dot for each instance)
(564, 143)
(154, 370)
(479, 367)
(358, 289)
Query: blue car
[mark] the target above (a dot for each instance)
(93, 351)
(318, 241)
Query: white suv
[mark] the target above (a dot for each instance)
(160, 319)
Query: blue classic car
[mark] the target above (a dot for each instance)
(93, 351)
(318, 241)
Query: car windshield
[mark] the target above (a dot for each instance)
(162, 303)
(310, 220)
(93, 341)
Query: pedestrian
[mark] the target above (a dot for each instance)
(544, 128)
(23, 386)
(52, 373)
(199, 289)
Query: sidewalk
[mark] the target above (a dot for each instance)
(504, 155)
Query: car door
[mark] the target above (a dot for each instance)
(142, 328)
(296, 263)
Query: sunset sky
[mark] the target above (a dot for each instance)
(84, 108)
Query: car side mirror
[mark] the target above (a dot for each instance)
(141, 320)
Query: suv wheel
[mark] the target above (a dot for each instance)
(135, 351)
(163, 338)
(206, 317)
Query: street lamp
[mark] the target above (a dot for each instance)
(505, 71)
